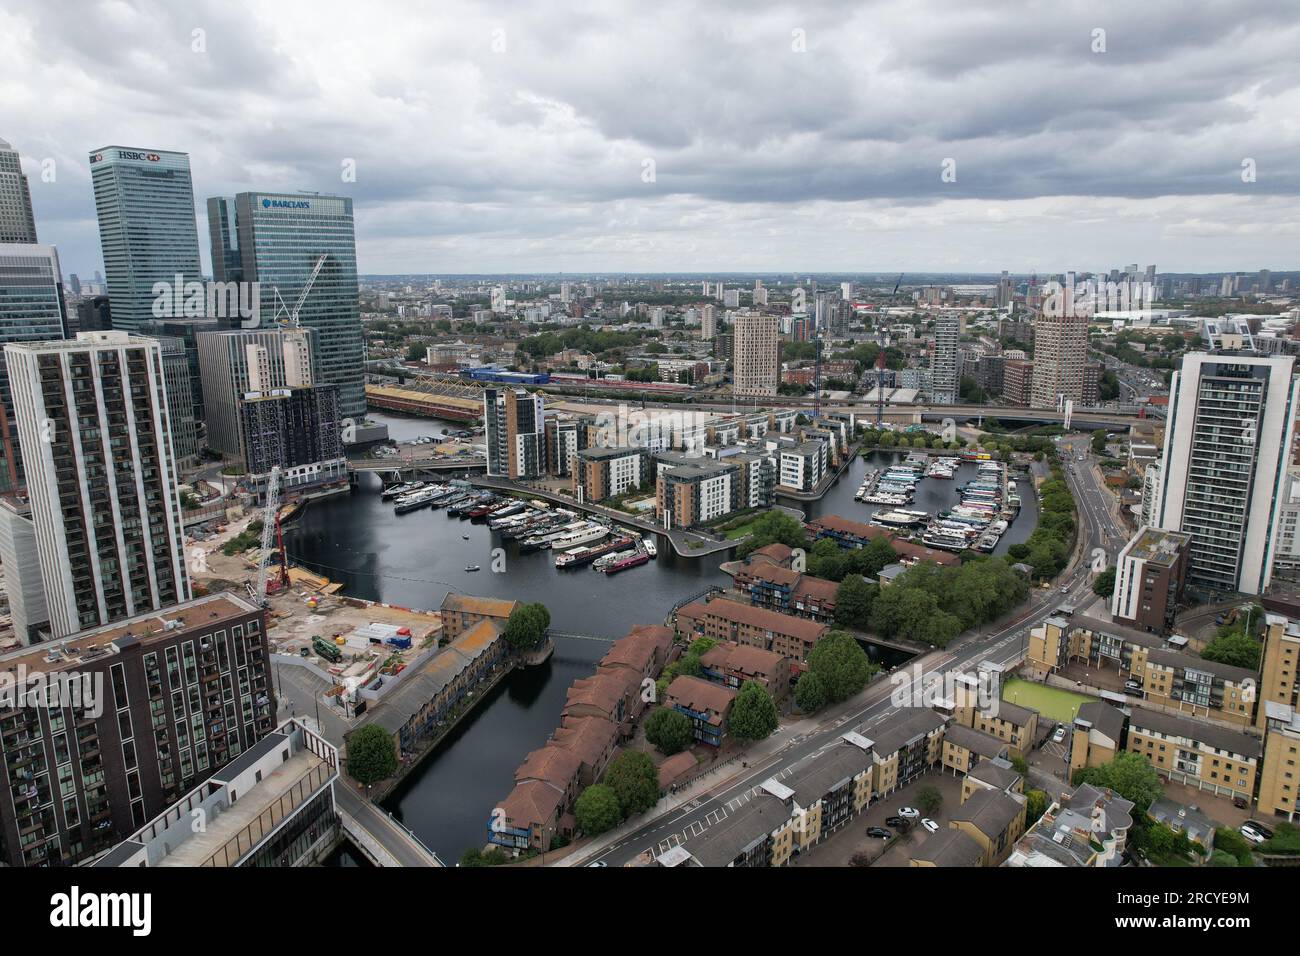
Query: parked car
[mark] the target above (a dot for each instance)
(930, 825)
(895, 822)
(1059, 736)
(1258, 829)
(1132, 685)
(1065, 589)
(880, 833)
(909, 813)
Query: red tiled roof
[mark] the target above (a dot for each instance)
(742, 657)
(702, 695)
(639, 647)
(553, 764)
(532, 803)
(588, 737)
(805, 630)
(602, 691)
(674, 767)
(776, 551)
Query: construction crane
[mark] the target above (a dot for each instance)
(302, 297)
(270, 525)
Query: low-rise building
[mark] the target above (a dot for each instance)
(1096, 736)
(1088, 827)
(725, 620)
(708, 705)
(964, 748)
(423, 700)
(731, 665)
(906, 744)
(792, 592)
(1196, 752)
(994, 820)
(992, 774)
(802, 466)
(1279, 777)
(948, 848)
(460, 612)
(1014, 725)
(611, 693)
(271, 806)
(1149, 579)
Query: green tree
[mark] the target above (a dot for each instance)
(701, 646)
(772, 528)
(1234, 647)
(1104, 584)
(810, 693)
(669, 730)
(1228, 840)
(634, 780)
(526, 627)
(753, 714)
(372, 755)
(841, 664)
(597, 809)
(1222, 858)
(1035, 806)
(854, 599)
(1131, 775)
(929, 799)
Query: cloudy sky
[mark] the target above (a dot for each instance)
(675, 136)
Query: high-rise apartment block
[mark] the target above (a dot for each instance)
(282, 358)
(755, 355)
(515, 422)
(944, 383)
(101, 475)
(148, 708)
(1060, 353)
(145, 203)
(17, 224)
(1229, 436)
(283, 238)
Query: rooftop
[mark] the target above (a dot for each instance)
(1212, 735)
(700, 695)
(950, 848)
(802, 628)
(83, 646)
(1157, 546)
(990, 811)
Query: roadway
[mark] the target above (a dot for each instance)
(1004, 642)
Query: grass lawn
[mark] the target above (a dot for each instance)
(741, 531)
(1060, 705)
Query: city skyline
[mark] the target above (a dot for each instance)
(783, 140)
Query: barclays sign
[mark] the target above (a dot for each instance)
(286, 204)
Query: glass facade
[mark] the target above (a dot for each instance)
(16, 221)
(282, 237)
(145, 204)
(31, 310)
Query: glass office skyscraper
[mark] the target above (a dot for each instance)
(224, 239)
(31, 310)
(16, 221)
(282, 237)
(145, 204)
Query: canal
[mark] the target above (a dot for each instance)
(932, 495)
(414, 560)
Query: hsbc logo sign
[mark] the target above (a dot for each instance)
(133, 155)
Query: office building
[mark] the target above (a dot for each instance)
(1149, 578)
(17, 224)
(755, 355)
(31, 310)
(274, 806)
(283, 239)
(226, 377)
(148, 708)
(223, 238)
(1230, 427)
(20, 560)
(93, 315)
(944, 376)
(1017, 380)
(101, 475)
(515, 425)
(145, 204)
